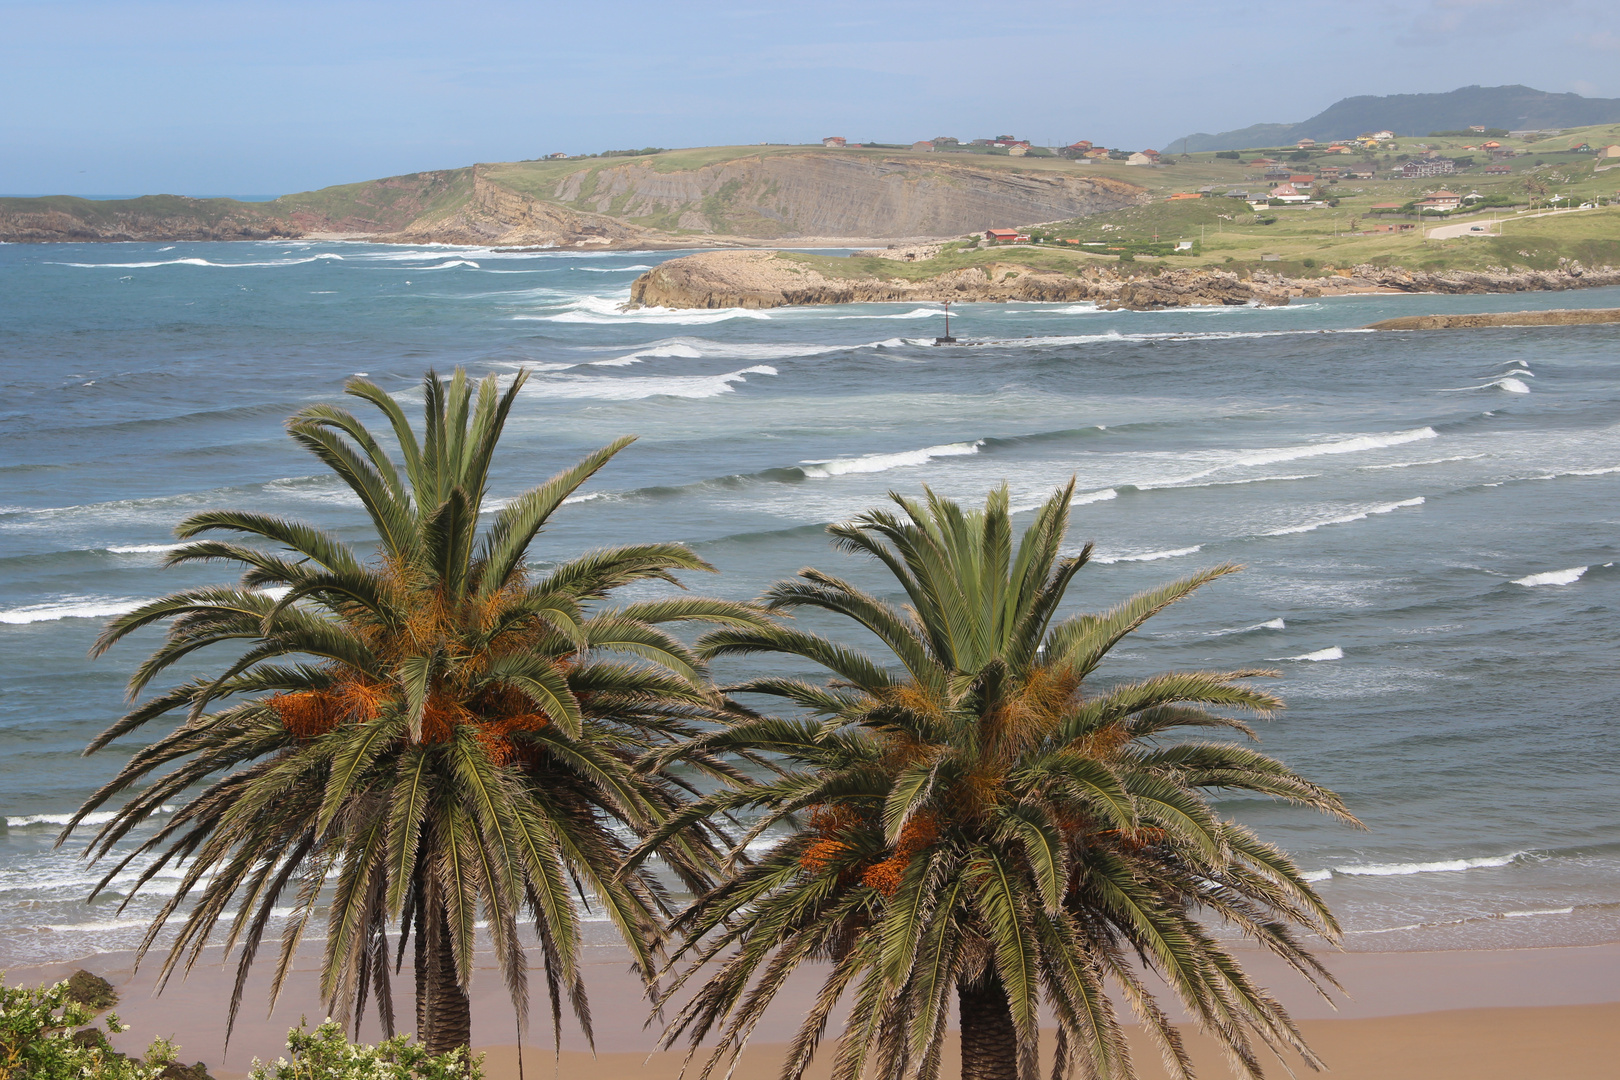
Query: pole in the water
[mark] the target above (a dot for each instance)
(947, 339)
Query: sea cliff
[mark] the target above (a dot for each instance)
(708, 197)
(763, 279)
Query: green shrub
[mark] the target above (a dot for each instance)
(38, 1040)
(325, 1054)
(1126, 256)
(1310, 264)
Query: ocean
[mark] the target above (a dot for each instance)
(1428, 520)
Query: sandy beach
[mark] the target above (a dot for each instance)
(1475, 1014)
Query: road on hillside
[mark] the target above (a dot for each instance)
(1492, 228)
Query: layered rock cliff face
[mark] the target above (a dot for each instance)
(605, 204)
(495, 214)
(758, 279)
(827, 195)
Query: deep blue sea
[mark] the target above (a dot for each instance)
(1428, 521)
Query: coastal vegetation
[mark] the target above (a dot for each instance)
(46, 1034)
(436, 743)
(972, 821)
(418, 739)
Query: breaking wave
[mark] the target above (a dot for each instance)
(1149, 556)
(1553, 577)
(634, 389)
(199, 262)
(1386, 508)
(873, 463)
(69, 607)
(605, 311)
(1333, 652)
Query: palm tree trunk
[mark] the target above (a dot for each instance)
(443, 1011)
(989, 1041)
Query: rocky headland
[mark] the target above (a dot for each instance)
(765, 279)
(716, 197)
(1561, 317)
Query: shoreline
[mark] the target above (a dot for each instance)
(1524, 990)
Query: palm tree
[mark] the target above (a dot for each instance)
(987, 822)
(437, 731)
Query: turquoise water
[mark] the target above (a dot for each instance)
(1428, 520)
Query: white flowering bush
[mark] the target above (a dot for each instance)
(38, 1040)
(326, 1054)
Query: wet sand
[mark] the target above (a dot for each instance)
(1510, 1014)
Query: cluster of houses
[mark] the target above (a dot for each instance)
(1083, 150)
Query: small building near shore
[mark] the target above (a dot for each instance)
(924, 147)
(1610, 151)
(1001, 236)
(834, 142)
(1140, 158)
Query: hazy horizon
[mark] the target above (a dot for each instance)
(193, 98)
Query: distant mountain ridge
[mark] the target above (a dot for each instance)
(1512, 107)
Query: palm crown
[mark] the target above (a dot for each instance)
(987, 822)
(435, 731)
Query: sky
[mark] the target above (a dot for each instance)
(233, 98)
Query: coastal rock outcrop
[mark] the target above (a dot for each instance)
(762, 279)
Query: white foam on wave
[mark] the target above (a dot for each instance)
(1332, 652)
(656, 352)
(1440, 866)
(1225, 483)
(1269, 624)
(142, 549)
(636, 388)
(199, 262)
(1429, 461)
(611, 269)
(69, 607)
(692, 348)
(1539, 911)
(1317, 875)
(1094, 497)
(873, 463)
(1507, 383)
(1353, 445)
(100, 817)
(1553, 577)
(920, 313)
(448, 265)
(606, 311)
(1386, 508)
(1149, 556)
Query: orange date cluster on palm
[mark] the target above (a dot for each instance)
(494, 715)
(830, 822)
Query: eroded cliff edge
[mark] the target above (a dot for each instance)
(724, 197)
(765, 279)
